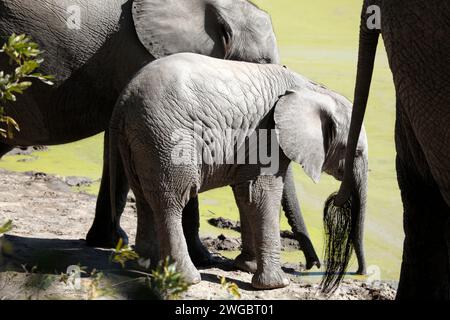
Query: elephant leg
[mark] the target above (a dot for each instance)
(191, 225)
(425, 271)
(146, 239)
(104, 232)
(246, 260)
(263, 197)
(4, 149)
(169, 229)
(291, 207)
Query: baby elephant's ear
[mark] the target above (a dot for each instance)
(301, 123)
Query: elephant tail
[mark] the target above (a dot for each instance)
(113, 154)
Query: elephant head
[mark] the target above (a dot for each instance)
(226, 29)
(313, 126)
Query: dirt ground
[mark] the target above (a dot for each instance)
(50, 222)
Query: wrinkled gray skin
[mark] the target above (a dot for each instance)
(92, 65)
(416, 36)
(158, 117)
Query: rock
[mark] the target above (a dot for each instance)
(29, 159)
(78, 181)
(25, 151)
(224, 223)
(288, 241)
(37, 175)
(288, 244)
(222, 242)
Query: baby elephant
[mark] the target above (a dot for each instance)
(189, 123)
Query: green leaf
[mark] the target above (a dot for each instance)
(6, 227)
(9, 96)
(122, 254)
(27, 67)
(25, 55)
(45, 79)
(19, 87)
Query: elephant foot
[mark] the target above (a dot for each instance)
(246, 263)
(311, 262)
(200, 255)
(105, 237)
(361, 271)
(190, 274)
(270, 279)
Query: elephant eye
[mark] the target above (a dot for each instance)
(358, 153)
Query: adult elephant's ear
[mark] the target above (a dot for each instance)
(166, 27)
(304, 128)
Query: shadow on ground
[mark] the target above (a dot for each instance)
(54, 255)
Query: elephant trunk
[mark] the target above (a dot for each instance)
(340, 224)
(359, 199)
(294, 216)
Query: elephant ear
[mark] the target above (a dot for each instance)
(304, 128)
(166, 27)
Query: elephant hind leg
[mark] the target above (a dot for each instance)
(261, 199)
(146, 240)
(191, 225)
(246, 260)
(168, 208)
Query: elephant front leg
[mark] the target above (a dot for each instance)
(106, 232)
(263, 203)
(425, 271)
(191, 225)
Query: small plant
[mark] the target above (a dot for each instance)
(96, 290)
(6, 227)
(5, 246)
(231, 288)
(164, 281)
(37, 283)
(25, 56)
(167, 282)
(122, 254)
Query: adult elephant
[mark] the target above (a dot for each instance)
(94, 47)
(416, 35)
